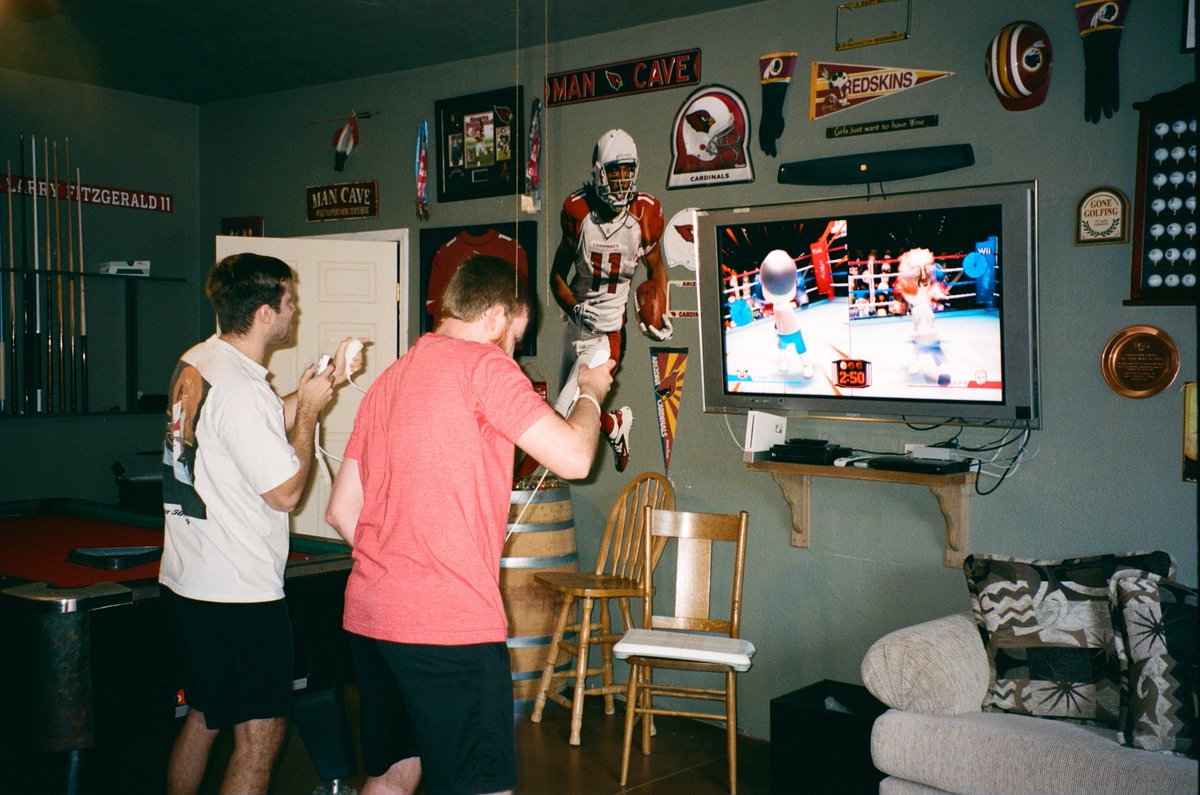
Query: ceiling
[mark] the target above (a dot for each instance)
(201, 51)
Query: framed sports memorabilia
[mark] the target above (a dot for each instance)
(443, 249)
(1164, 268)
(1102, 217)
(480, 145)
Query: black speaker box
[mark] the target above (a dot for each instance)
(877, 166)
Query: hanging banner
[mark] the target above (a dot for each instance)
(623, 78)
(841, 86)
(342, 202)
(667, 366)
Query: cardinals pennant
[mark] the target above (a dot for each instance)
(667, 366)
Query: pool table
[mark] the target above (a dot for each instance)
(87, 653)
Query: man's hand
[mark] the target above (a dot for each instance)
(596, 381)
(585, 315)
(315, 390)
(341, 373)
(658, 335)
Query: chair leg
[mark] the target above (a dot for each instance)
(647, 697)
(731, 728)
(560, 627)
(631, 697)
(581, 668)
(606, 665)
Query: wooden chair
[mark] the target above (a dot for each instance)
(691, 638)
(616, 576)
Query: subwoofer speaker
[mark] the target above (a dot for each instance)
(877, 166)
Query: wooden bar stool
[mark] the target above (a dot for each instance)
(616, 576)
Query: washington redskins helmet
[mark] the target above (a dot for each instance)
(710, 129)
(1018, 63)
(777, 274)
(615, 148)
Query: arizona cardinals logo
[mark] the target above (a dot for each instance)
(503, 113)
(687, 232)
(700, 120)
(614, 80)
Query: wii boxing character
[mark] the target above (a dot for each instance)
(777, 275)
(922, 290)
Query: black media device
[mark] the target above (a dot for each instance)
(821, 455)
(903, 463)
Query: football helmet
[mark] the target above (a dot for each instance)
(709, 130)
(679, 240)
(1018, 64)
(615, 148)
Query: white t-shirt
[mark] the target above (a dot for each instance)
(225, 445)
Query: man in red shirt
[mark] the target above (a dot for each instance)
(423, 497)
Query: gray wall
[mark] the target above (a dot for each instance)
(1102, 475)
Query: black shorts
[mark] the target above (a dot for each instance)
(237, 658)
(452, 706)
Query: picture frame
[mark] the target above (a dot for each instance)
(1188, 33)
(480, 144)
(1102, 216)
(444, 248)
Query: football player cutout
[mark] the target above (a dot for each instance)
(608, 229)
(919, 285)
(777, 275)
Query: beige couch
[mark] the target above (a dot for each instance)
(935, 738)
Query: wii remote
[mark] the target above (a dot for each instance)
(599, 357)
(322, 363)
(352, 348)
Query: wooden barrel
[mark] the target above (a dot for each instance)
(543, 540)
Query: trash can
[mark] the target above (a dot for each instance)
(821, 740)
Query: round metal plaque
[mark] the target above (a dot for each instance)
(1139, 361)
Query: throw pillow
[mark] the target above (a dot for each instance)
(1048, 632)
(1156, 632)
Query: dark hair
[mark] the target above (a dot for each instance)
(481, 282)
(239, 284)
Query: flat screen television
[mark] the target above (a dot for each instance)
(918, 307)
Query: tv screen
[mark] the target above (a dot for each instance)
(914, 307)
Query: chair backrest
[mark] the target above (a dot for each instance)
(692, 535)
(621, 547)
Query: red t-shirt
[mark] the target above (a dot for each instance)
(434, 441)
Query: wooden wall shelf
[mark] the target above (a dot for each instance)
(952, 493)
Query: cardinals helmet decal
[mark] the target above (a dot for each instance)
(709, 140)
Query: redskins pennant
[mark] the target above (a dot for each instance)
(841, 86)
(668, 365)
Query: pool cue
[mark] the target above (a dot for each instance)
(49, 284)
(13, 402)
(12, 302)
(58, 280)
(71, 291)
(83, 362)
(4, 385)
(36, 338)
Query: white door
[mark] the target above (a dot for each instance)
(344, 289)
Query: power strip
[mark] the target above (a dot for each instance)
(934, 453)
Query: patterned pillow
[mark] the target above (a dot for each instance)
(1155, 625)
(1048, 632)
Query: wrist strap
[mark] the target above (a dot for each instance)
(586, 396)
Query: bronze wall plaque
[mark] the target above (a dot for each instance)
(1139, 361)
